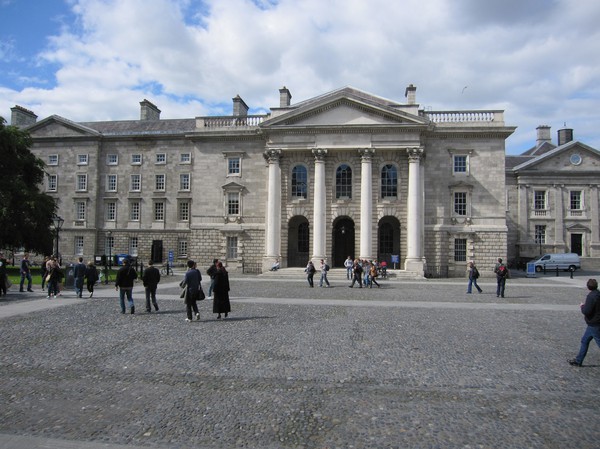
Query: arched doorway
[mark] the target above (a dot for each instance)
(388, 239)
(298, 242)
(343, 241)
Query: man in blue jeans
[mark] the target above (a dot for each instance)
(591, 312)
(79, 274)
(25, 273)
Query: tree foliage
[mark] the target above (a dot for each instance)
(25, 211)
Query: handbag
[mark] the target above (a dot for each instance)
(201, 295)
(183, 292)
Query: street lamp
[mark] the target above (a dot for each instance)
(108, 266)
(57, 221)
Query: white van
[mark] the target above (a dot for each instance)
(564, 261)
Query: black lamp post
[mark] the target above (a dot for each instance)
(58, 222)
(109, 235)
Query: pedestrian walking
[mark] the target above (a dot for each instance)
(79, 275)
(349, 263)
(91, 276)
(126, 277)
(324, 270)
(44, 270)
(473, 274)
(150, 279)
(310, 273)
(25, 273)
(221, 290)
(502, 274)
(591, 313)
(53, 279)
(356, 274)
(3, 273)
(372, 275)
(191, 284)
(211, 272)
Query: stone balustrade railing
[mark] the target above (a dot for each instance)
(466, 116)
(244, 121)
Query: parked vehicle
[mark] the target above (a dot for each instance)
(562, 261)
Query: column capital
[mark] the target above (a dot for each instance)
(272, 155)
(319, 153)
(415, 154)
(366, 154)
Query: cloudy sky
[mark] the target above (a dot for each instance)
(539, 60)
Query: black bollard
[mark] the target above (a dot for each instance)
(557, 271)
(572, 271)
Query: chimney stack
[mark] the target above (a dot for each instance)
(565, 135)
(543, 135)
(149, 111)
(22, 117)
(240, 108)
(411, 94)
(285, 97)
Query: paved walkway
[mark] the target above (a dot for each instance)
(413, 364)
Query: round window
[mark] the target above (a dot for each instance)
(575, 159)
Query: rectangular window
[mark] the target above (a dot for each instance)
(82, 159)
(184, 211)
(111, 211)
(460, 250)
(540, 234)
(136, 183)
(234, 166)
(182, 248)
(52, 183)
(185, 158)
(160, 182)
(111, 183)
(134, 211)
(80, 211)
(460, 203)
(133, 246)
(460, 163)
(136, 159)
(53, 159)
(81, 183)
(232, 247)
(112, 159)
(79, 245)
(576, 203)
(161, 158)
(233, 203)
(184, 181)
(159, 211)
(539, 200)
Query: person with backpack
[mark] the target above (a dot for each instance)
(310, 272)
(501, 275)
(473, 274)
(324, 270)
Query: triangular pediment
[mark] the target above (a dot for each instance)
(571, 157)
(345, 107)
(57, 126)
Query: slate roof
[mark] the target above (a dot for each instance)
(140, 127)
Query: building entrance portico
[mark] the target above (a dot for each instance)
(342, 241)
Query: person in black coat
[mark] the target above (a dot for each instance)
(151, 278)
(221, 292)
(126, 277)
(91, 276)
(192, 285)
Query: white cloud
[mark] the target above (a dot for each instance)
(536, 59)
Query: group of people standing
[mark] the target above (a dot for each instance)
(354, 269)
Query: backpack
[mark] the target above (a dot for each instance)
(502, 271)
(475, 273)
(326, 267)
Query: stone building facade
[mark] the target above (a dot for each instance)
(344, 173)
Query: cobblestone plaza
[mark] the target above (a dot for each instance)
(415, 364)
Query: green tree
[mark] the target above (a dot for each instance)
(25, 211)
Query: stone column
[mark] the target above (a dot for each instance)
(319, 203)
(366, 203)
(595, 225)
(273, 234)
(559, 221)
(414, 258)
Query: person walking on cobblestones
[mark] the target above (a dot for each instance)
(356, 274)
(473, 274)
(310, 273)
(79, 275)
(211, 272)
(221, 301)
(192, 284)
(324, 270)
(373, 275)
(91, 276)
(150, 279)
(25, 273)
(55, 276)
(501, 271)
(3, 264)
(126, 277)
(591, 312)
(349, 263)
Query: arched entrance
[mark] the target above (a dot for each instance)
(388, 239)
(298, 242)
(343, 241)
